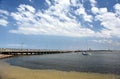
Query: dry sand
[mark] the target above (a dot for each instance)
(4, 56)
(13, 72)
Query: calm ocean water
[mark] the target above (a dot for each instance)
(98, 62)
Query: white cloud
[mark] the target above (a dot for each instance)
(110, 21)
(117, 6)
(23, 8)
(103, 10)
(107, 41)
(81, 11)
(95, 10)
(3, 22)
(55, 19)
(93, 2)
(3, 17)
(75, 2)
(4, 12)
(52, 21)
(48, 2)
(117, 10)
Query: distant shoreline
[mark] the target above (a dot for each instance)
(7, 53)
(10, 53)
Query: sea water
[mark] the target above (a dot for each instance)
(97, 62)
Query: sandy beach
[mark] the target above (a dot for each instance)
(13, 72)
(5, 56)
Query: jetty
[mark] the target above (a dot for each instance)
(9, 52)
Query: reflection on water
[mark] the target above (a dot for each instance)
(99, 62)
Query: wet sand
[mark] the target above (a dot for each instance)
(13, 72)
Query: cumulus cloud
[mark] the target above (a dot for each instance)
(60, 19)
(53, 21)
(3, 22)
(4, 12)
(23, 8)
(81, 11)
(117, 10)
(110, 21)
(93, 2)
(95, 10)
(3, 17)
(48, 2)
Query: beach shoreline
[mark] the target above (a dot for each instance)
(2, 56)
(14, 72)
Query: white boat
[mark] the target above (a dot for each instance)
(86, 53)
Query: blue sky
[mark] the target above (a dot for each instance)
(60, 24)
